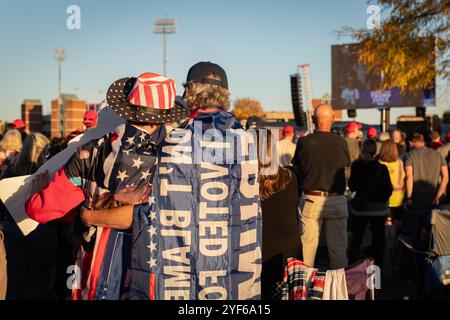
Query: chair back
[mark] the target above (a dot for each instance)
(440, 227)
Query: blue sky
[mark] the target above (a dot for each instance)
(259, 43)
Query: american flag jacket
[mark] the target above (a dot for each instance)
(104, 173)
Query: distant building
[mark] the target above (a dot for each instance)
(289, 116)
(279, 116)
(67, 116)
(46, 125)
(97, 107)
(32, 115)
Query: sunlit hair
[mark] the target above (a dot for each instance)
(12, 141)
(207, 95)
(389, 151)
(33, 154)
(384, 136)
(270, 184)
(369, 149)
(2, 127)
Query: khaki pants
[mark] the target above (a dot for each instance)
(3, 277)
(331, 213)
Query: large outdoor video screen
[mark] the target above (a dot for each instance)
(353, 87)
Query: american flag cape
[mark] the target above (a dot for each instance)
(117, 165)
(199, 237)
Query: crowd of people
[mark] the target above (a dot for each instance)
(326, 189)
(390, 184)
(31, 260)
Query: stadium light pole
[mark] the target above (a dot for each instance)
(165, 27)
(60, 56)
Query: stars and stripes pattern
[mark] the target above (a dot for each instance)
(135, 160)
(123, 161)
(153, 91)
(153, 233)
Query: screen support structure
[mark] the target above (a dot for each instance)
(385, 119)
(304, 72)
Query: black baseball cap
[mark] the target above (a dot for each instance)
(200, 71)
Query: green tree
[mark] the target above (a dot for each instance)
(399, 47)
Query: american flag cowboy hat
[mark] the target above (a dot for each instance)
(149, 98)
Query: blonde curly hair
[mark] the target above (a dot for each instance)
(199, 95)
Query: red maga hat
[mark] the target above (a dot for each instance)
(353, 127)
(18, 124)
(288, 130)
(372, 133)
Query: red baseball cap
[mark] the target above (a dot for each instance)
(372, 133)
(288, 130)
(90, 119)
(353, 127)
(18, 124)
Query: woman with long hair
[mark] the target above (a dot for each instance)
(372, 184)
(33, 155)
(281, 239)
(31, 259)
(10, 147)
(390, 158)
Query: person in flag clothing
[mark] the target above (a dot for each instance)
(199, 236)
(110, 172)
